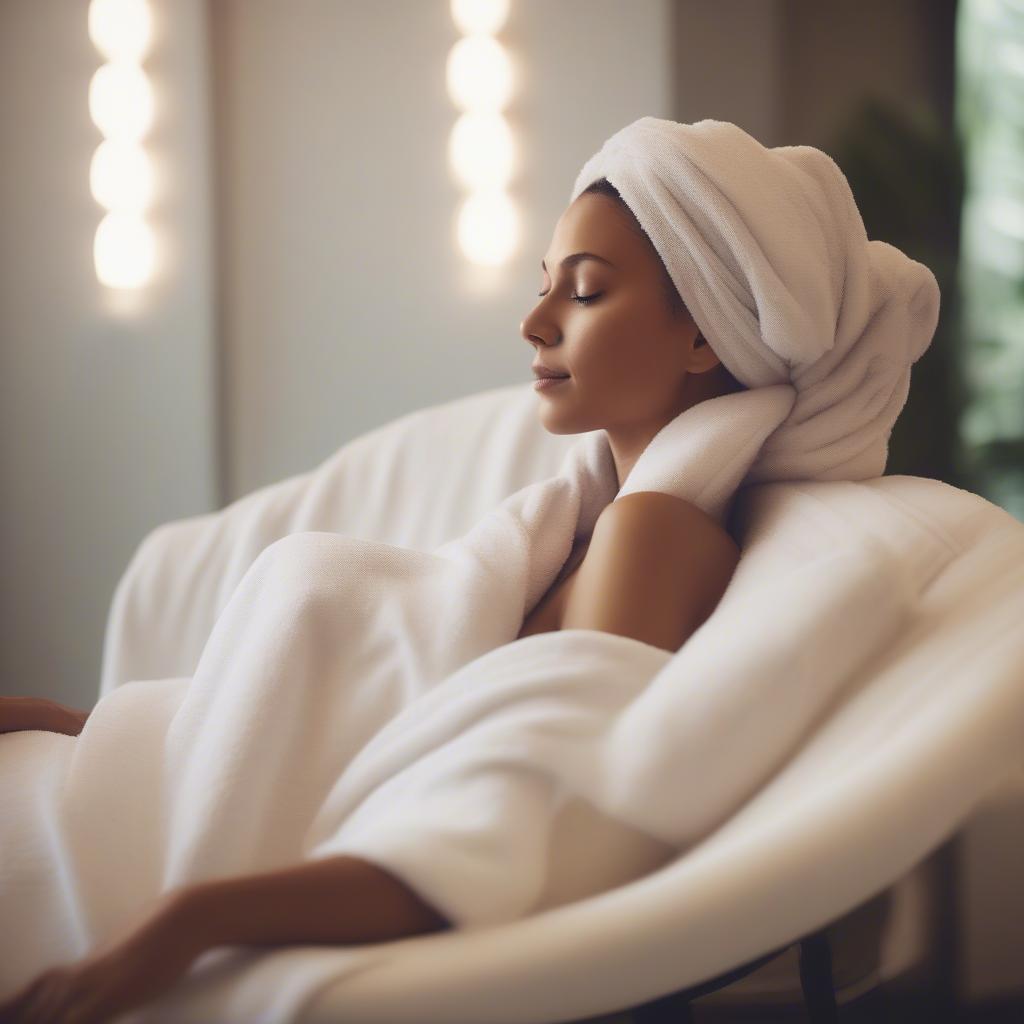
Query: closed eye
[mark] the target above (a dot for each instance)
(581, 299)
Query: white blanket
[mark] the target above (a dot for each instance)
(364, 698)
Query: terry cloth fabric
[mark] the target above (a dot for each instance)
(360, 697)
(768, 251)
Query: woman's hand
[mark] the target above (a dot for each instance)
(122, 976)
(18, 714)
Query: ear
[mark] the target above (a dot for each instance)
(702, 356)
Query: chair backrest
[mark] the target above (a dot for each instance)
(417, 481)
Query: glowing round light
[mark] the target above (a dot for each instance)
(488, 228)
(481, 150)
(121, 176)
(479, 74)
(124, 251)
(120, 29)
(121, 101)
(479, 16)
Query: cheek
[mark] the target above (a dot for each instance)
(605, 344)
(618, 353)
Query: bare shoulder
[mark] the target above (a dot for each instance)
(654, 509)
(650, 520)
(656, 568)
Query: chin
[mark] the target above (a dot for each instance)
(555, 424)
(558, 429)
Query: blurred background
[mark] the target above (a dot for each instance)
(239, 233)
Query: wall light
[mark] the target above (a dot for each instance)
(124, 251)
(121, 105)
(488, 227)
(120, 29)
(121, 101)
(479, 74)
(121, 176)
(481, 148)
(475, 17)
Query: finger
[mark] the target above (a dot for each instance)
(81, 1005)
(89, 999)
(49, 1002)
(89, 1007)
(8, 1007)
(34, 1010)
(84, 1014)
(16, 1009)
(42, 1008)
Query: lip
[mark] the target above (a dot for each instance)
(543, 383)
(542, 371)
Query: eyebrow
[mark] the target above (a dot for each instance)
(577, 257)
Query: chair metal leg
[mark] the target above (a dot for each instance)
(674, 1008)
(670, 1009)
(816, 979)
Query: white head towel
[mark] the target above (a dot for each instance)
(768, 251)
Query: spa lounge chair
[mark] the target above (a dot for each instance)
(756, 919)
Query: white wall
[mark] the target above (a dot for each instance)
(345, 300)
(729, 64)
(788, 71)
(335, 289)
(106, 412)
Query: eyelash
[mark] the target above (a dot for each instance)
(583, 300)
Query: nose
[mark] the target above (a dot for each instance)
(533, 331)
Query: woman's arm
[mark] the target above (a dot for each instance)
(335, 900)
(656, 568)
(21, 714)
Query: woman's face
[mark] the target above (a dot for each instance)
(626, 357)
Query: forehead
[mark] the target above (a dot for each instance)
(598, 224)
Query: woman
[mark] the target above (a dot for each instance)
(613, 324)
(633, 390)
